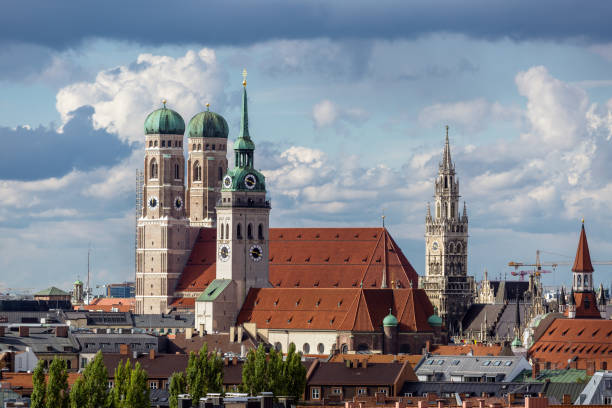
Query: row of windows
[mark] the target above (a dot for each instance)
(224, 231)
(197, 172)
(207, 146)
(315, 392)
(154, 170)
(177, 143)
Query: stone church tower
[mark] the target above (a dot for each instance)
(207, 163)
(243, 219)
(163, 230)
(446, 282)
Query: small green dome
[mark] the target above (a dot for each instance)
(390, 320)
(78, 282)
(516, 342)
(434, 320)
(208, 124)
(164, 121)
(244, 144)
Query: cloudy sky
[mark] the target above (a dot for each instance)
(348, 102)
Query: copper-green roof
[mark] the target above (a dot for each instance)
(557, 376)
(390, 321)
(52, 291)
(164, 121)
(213, 290)
(238, 174)
(207, 124)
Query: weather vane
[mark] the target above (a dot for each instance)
(244, 76)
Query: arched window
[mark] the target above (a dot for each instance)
(586, 280)
(150, 143)
(220, 173)
(459, 248)
(344, 348)
(155, 143)
(163, 143)
(193, 147)
(199, 146)
(260, 231)
(306, 348)
(197, 171)
(222, 230)
(321, 348)
(227, 230)
(250, 231)
(363, 347)
(278, 346)
(452, 210)
(239, 231)
(451, 248)
(154, 169)
(177, 172)
(579, 281)
(207, 146)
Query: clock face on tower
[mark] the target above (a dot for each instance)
(434, 246)
(227, 181)
(250, 181)
(224, 252)
(256, 253)
(178, 203)
(152, 202)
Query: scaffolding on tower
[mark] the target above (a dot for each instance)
(137, 213)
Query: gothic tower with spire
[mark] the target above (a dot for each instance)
(446, 282)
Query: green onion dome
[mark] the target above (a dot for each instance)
(516, 342)
(164, 121)
(434, 320)
(390, 320)
(208, 124)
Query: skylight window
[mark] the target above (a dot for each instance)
(486, 363)
(497, 363)
(440, 362)
(508, 363)
(455, 362)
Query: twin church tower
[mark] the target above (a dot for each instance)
(233, 201)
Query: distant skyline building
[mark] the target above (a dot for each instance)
(446, 281)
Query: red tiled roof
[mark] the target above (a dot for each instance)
(474, 349)
(183, 303)
(22, 382)
(583, 339)
(412, 359)
(361, 310)
(108, 304)
(313, 258)
(582, 263)
(584, 299)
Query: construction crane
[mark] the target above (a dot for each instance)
(522, 274)
(538, 267)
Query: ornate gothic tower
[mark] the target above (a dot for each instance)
(446, 282)
(207, 163)
(163, 230)
(243, 219)
(583, 301)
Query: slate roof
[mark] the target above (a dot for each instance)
(31, 317)
(471, 389)
(179, 344)
(161, 367)
(554, 376)
(507, 320)
(40, 340)
(110, 343)
(506, 367)
(157, 321)
(580, 339)
(313, 258)
(359, 310)
(52, 291)
(598, 387)
(475, 316)
(507, 290)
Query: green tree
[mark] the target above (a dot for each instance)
(276, 381)
(78, 394)
(178, 385)
(138, 392)
(214, 373)
(57, 385)
(294, 374)
(119, 392)
(248, 373)
(37, 399)
(204, 374)
(95, 383)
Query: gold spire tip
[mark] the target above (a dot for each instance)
(207, 106)
(164, 102)
(244, 77)
(582, 220)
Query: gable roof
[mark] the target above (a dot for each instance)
(326, 373)
(582, 263)
(214, 290)
(313, 258)
(575, 339)
(360, 310)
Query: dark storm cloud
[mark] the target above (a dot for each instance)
(30, 154)
(218, 22)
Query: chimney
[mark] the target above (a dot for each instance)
(235, 361)
(441, 403)
(496, 405)
(427, 346)
(123, 349)
(226, 361)
(567, 399)
(24, 331)
(232, 334)
(364, 363)
(535, 369)
(467, 404)
(152, 354)
(61, 331)
(188, 333)
(481, 403)
(511, 398)
(536, 402)
(135, 355)
(590, 368)
(422, 404)
(400, 404)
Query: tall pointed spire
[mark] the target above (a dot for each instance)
(582, 263)
(447, 163)
(244, 118)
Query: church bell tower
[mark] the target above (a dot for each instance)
(446, 282)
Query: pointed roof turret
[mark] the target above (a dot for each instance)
(571, 301)
(517, 316)
(562, 296)
(602, 296)
(244, 141)
(447, 163)
(582, 263)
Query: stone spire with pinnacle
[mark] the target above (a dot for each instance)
(447, 163)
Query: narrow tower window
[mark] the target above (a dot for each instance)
(153, 169)
(199, 147)
(250, 231)
(227, 231)
(239, 231)
(197, 171)
(177, 172)
(222, 229)
(220, 173)
(260, 231)
(193, 147)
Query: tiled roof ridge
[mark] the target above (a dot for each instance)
(582, 263)
(367, 308)
(400, 315)
(353, 311)
(367, 268)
